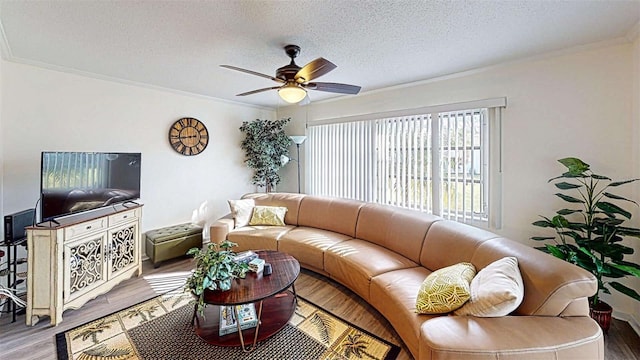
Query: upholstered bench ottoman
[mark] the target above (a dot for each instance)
(172, 242)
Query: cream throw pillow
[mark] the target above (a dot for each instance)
(241, 211)
(268, 215)
(446, 289)
(497, 290)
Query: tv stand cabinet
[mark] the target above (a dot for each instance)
(80, 258)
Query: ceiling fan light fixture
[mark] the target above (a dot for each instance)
(292, 93)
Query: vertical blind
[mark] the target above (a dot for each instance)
(344, 160)
(435, 162)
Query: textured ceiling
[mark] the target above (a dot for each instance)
(375, 44)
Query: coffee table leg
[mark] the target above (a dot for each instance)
(255, 337)
(194, 319)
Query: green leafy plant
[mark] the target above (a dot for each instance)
(215, 269)
(589, 233)
(264, 144)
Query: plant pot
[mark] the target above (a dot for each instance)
(601, 313)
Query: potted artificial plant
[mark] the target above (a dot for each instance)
(264, 144)
(590, 232)
(215, 269)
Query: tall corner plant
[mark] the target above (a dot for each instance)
(264, 144)
(590, 230)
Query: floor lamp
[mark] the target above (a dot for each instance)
(298, 140)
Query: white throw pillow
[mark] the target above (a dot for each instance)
(496, 290)
(241, 211)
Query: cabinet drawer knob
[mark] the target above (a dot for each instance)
(88, 227)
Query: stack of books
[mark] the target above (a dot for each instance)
(245, 257)
(229, 323)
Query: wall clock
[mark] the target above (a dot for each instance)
(188, 136)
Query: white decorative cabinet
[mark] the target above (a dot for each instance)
(83, 257)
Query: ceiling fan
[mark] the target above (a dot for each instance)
(296, 80)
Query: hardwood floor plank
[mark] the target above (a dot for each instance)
(18, 341)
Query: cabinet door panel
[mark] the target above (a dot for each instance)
(85, 265)
(123, 249)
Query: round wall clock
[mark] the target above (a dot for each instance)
(188, 136)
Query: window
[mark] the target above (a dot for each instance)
(437, 162)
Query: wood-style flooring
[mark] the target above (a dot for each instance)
(17, 341)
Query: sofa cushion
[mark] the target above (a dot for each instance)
(446, 289)
(257, 237)
(511, 338)
(241, 211)
(268, 215)
(449, 242)
(397, 229)
(333, 214)
(394, 294)
(550, 284)
(355, 262)
(308, 244)
(290, 201)
(496, 290)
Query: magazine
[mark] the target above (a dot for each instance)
(246, 314)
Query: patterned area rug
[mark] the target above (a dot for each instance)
(160, 328)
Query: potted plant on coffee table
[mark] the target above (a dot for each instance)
(215, 270)
(590, 232)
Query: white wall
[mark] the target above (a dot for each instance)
(289, 173)
(635, 156)
(50, 110)
(574, 104)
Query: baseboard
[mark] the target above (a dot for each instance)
(632, 320)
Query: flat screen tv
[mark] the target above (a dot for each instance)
(73, 182)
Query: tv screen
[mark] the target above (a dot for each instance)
(73, 182)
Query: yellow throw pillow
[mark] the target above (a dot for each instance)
(446, 289)
(268, 215)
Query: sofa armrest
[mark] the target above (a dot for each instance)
(220, 229)
(511, 337)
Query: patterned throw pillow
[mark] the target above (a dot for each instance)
(446, 289)
(268, 215)
(241, 211)
(497, 290)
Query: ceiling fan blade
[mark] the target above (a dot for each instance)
(314, 69)
(334, 88)
(258, 91)
(253, 73)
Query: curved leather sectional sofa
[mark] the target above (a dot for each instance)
(384, 253)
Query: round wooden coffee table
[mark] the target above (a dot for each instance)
(274, 304)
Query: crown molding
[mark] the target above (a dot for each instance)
(67, 70)
(469, 72)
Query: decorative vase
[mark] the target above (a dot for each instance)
(601, 313)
